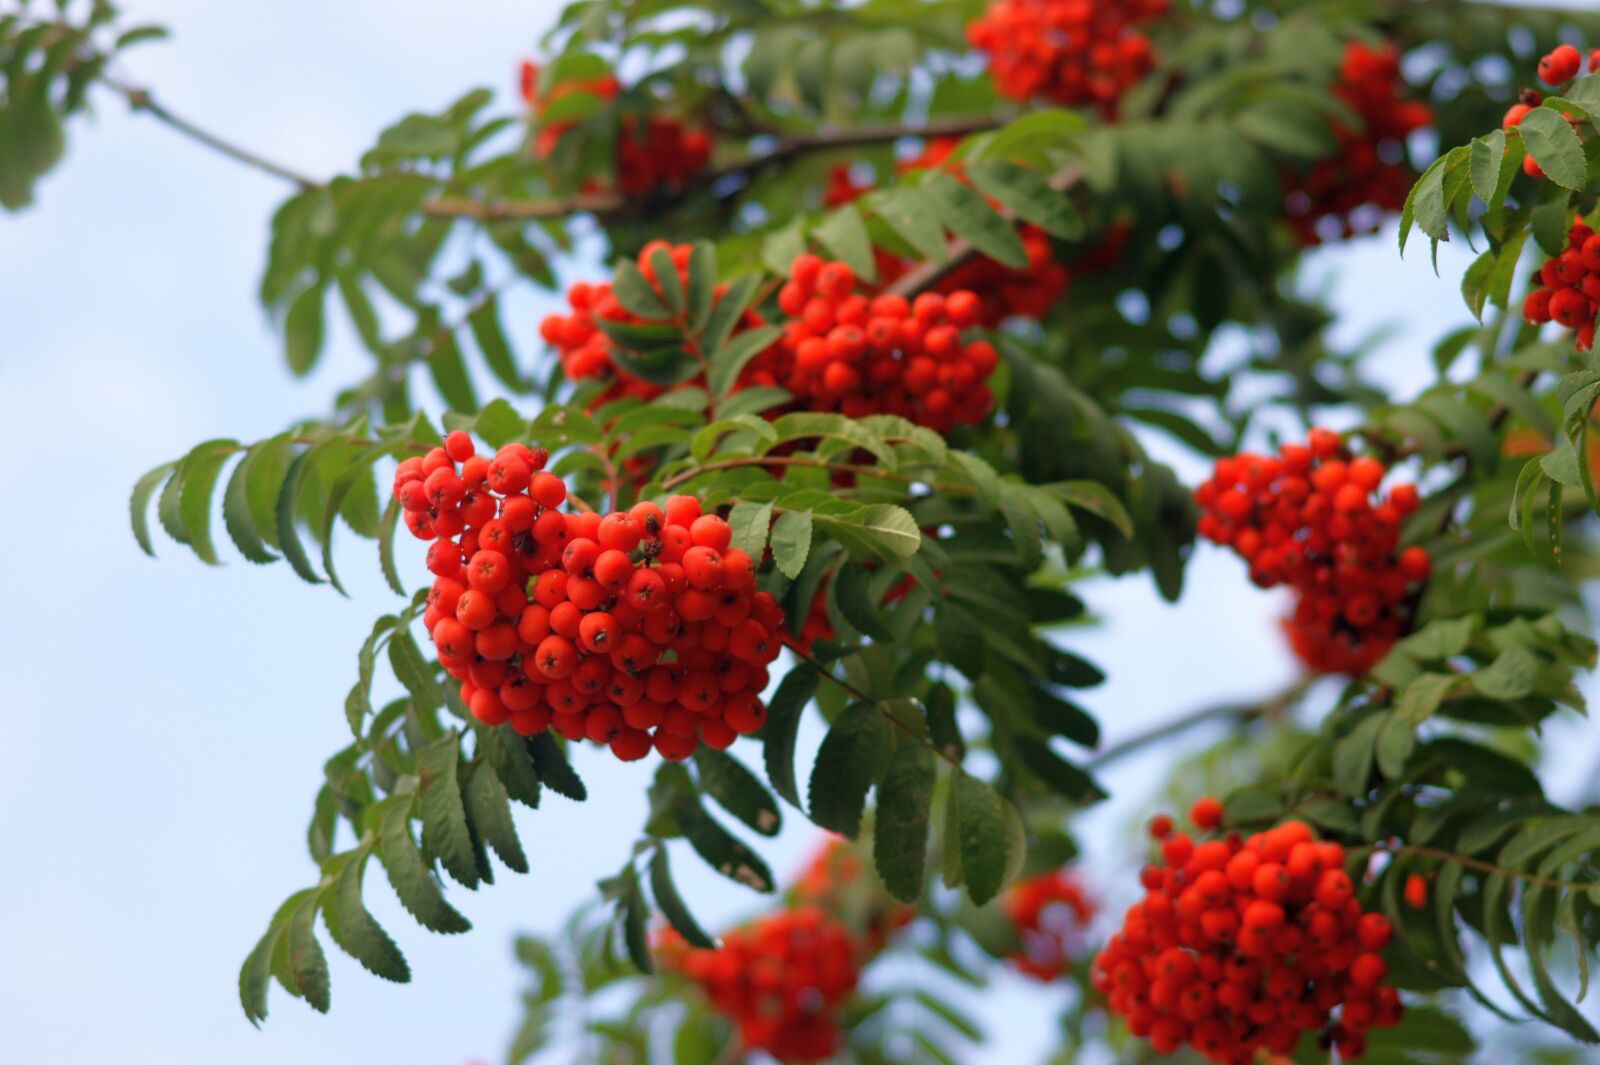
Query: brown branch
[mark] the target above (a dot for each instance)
(1482, 866)
(140, 100)
(1235, 713)
(607, 204)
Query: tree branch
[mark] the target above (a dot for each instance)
(1237, 713)
(615, 204)
(140, 100)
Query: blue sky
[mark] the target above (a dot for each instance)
(166, 723)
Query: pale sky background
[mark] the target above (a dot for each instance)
(166, 723)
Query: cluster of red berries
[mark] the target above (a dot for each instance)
(1557, 67)
(782, 979)
(1566, 289)
(655, 151)
(1051, 913)
(640, 629)
(1366, 177)
(1003, 291)
(1311, 517)
(843, 350)
(586, 353)
(1241, 945)
(1073, 52)
(835, 878)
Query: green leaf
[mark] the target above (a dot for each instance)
(198, 474)
(991, 837)
(845, 236)
(750, 523)
(444, 818)
(413, 882)
(1555, 146)
(911, 214)
(1095, 498)
(355, 930)
(358, 704)
(634, 933)
(1353, 755)
(513, 764)
(490, 807)
(1512, 675)
(900, 828)
(701, 289)
(487, 333)
(307, 964)
(718, 847)
(1548, 222)
(667, 280)
(847, 765)
(727, 311)
(855, 601)
(449, 373)
(139, 514)
(238, 515)
(288, 535)
(413, 671)
(731, 358)
(1397, 738)
(737, 790)
(968, 216)
(778, 735)
(672, 904)
(303, 328)
(791, 541)
(1484, 165)
(1059, 774)
(1423, 695)
(637, 296)
(554, 769)
(1028, 195)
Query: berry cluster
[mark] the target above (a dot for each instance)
(1367, 176)
(846, 351)
(1073, 52)
(1050, 913)
(653, 151)
(1241, 945)
(1311, 517)
(1003, 291)
(587, 354)
(835, 878)
(1566, 289)
(1559, 66)
(782, 979)
(639, 629)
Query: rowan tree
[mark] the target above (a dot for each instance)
(898, 293)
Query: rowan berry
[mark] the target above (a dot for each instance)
(1310, 519)
(1365, 178)
(1416, 892)
(1206, 813)
(1560, 64)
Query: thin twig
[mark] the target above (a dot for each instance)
(1238, 713)
(141, 101)
(1482, 866)
(787, 147)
